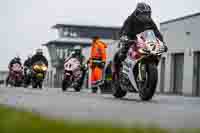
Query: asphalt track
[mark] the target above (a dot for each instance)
(165, 111)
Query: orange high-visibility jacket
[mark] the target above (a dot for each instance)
(98, 50)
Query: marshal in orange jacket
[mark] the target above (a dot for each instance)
(98, 50)
(97, 56)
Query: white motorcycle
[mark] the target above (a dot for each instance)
(73, 74)
(138, 72)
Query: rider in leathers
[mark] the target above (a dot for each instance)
(77, 53)
(13, 61)
(139, 21)
(27, 66)
(39, 57)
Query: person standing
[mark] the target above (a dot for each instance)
(97, 62)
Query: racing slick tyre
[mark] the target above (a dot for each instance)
(148, 88)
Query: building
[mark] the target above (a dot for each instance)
(180, 68)
(179, 71)
(71, 35)
(3, 76)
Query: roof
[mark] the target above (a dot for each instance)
(85, 26)
(75, 41)
(181, 18)
(69, 41)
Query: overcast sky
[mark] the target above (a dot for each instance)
(25, 24)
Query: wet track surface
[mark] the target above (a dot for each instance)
(166, 111)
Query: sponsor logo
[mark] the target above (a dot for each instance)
(128, 64)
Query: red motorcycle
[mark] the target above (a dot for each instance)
(138, 72)
(16, 75)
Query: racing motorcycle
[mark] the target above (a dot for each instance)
(16, 75)
(73, 74)
(38, 73)
(138, 72)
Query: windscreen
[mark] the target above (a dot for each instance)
(149, 36)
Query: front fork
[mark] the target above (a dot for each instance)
(141, 71)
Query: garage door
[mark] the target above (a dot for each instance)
(196, 74)
(162, 75)
(178, 73)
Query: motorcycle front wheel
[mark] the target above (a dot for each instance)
(40, 85)
(77, 88)
(34, 85)
(147, 81)
(65, 85)
(79, 84)
(17, 83)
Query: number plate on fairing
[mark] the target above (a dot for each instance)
(127, 65)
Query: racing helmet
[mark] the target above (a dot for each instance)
(142, 11)
(17, 57)
(39, 51)
(77, 49)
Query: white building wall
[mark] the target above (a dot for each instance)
(182, 36)
(175, 33)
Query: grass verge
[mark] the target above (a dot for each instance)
(18, 121)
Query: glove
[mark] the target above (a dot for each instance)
(123, 41)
